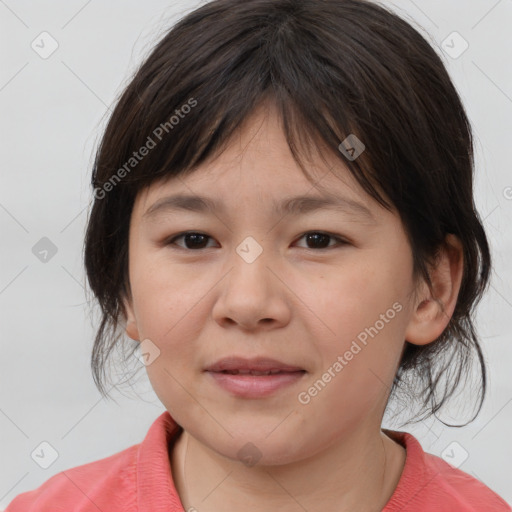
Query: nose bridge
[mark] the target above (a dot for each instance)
(250, 261)
(250, 250)
(251, 292)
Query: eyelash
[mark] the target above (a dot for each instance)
(341, 241)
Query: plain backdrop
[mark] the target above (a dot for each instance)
(52, 114)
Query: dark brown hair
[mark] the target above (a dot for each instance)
(332, 68)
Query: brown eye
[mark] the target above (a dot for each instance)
(320, 240)
(193, 240)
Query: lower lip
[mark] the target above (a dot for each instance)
(255, 386)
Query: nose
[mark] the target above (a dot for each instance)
(252, 295)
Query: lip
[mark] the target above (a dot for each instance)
(261, 364)
(254, 386)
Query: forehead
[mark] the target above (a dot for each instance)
(256, 165)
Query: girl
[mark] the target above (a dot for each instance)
(284, 223)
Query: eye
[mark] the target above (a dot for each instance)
(320, 238)
(195, 240)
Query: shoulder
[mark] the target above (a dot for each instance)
(137, 478)
(453, 485)
(105, 484)
(429, 483)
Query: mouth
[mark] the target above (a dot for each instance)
(258, 373)
(254, 378)
(255, 366)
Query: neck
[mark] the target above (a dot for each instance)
(356, 473)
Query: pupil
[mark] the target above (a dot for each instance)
(194, 237)
(318, 236)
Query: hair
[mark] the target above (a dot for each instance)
(331, 68)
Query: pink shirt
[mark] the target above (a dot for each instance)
(138, 479)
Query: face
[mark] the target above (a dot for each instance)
(327, 290)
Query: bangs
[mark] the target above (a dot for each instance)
(184, 113)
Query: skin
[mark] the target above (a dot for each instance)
(296, 303)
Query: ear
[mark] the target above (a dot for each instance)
(131, 323)
(434, 308)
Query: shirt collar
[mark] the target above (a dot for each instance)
(155, 485)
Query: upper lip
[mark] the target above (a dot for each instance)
(261, 364)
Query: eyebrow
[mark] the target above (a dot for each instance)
(298, 205)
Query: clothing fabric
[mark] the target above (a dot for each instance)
(139, 479)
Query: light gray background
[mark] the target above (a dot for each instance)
(53, 112)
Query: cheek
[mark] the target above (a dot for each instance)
(364, 312)
(346, 300)
(168, 306)
(165, 296)
(356, 373)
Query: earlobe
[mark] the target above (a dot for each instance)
(131, 323)
(435, 307)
